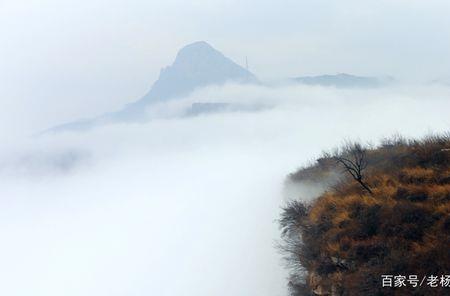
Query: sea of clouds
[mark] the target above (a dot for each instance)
(182, 205)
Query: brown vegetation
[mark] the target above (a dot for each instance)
(393, 218)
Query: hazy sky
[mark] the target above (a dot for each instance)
(72, 58)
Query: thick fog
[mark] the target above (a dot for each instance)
(187, 205)
(182, 205)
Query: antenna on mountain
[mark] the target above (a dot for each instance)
(246, 63)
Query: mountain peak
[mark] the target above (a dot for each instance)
(196, 65)
(196, 52)
(197, 46)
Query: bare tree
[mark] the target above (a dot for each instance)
(354, 161)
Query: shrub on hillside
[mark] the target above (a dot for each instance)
(394, 219)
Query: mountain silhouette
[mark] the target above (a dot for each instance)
(196, 65)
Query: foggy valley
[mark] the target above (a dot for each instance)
(181, 203)
(138, 160)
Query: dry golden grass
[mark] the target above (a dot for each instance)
(350, 237)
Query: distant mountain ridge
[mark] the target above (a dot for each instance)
(343, 80)
(199, 65)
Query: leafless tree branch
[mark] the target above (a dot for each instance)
(354, 162)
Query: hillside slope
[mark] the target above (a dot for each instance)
(344, 241)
